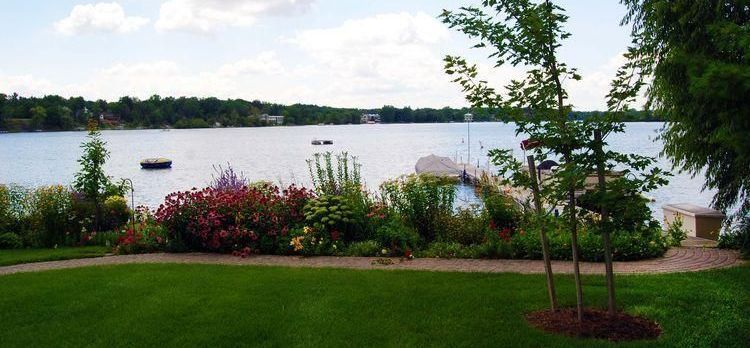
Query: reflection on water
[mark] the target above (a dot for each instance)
(278, 154)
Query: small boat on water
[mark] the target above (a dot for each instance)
(156, 163)
(322, 142)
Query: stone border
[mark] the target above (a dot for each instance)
(682, 259)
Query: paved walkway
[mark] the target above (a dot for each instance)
(683, 259)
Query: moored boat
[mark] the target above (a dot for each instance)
(322, 142)
(156, 163)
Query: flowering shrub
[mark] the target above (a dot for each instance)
(311, 241)
(145, 237)
(331, 214)
(52, 217)
(246, 220)
(227, 179)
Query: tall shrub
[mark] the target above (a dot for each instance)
(423, 201)
(91, 180)
(339, 176)
(52, 217)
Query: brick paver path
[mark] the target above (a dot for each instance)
(683, 259)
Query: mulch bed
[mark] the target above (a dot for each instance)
(596, 324)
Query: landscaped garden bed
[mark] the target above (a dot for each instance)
(412, 216)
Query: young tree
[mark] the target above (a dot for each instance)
(526, 33)
(692, 59)
(91, 179)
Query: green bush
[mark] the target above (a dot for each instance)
(116, 212)
(737, 237)
(332, 214)
(106, 238)
(146, 238)
(423, 201)
(398, 238)
(339, 176)
(364, 248)
(675, 233)
(10, 240)
(647, 242)
(6, 218)
(450, 250)
(52, 217)
(502, 209)
(310, 241)
(466, 226)
(14, 210)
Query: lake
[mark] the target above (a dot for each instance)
(278, 154)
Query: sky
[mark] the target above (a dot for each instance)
(343, 53)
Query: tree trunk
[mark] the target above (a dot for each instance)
(574, 247)
(609, 270)
(567, 155)
(543, 235)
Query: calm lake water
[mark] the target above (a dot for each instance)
(278, 154)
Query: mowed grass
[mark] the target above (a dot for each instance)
(213, 305)
(18, 256)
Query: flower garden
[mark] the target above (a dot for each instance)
(412, 216)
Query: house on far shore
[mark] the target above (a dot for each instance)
(370, 118)
(109, 119)
(272, 120)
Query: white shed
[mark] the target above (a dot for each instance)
(697, 221)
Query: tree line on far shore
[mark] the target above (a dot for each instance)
(54, 113)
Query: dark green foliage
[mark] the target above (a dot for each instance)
(644, 243)
(466, 226)
(339, 176)
(331, 213)
(52, 112)
(52, 217)
(423, 201)
(116, 212)
(501, 208)
(364, 248)
(397, 238)
(676, 233)
(91, 180)
(694, 55)
(737, 237)
(9, 240)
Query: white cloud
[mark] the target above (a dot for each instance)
(99, 17)
(261, 76)
(208, 15)
(265, 63)
(383, 59)
(26, 85)
(590, 93)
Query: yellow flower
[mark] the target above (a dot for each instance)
(297, 243)
(307, 229)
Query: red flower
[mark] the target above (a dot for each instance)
(335, 235)
(505, 234)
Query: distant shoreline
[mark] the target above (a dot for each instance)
(279, 126)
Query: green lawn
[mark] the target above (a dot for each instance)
(16, 256)
(212, 305)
